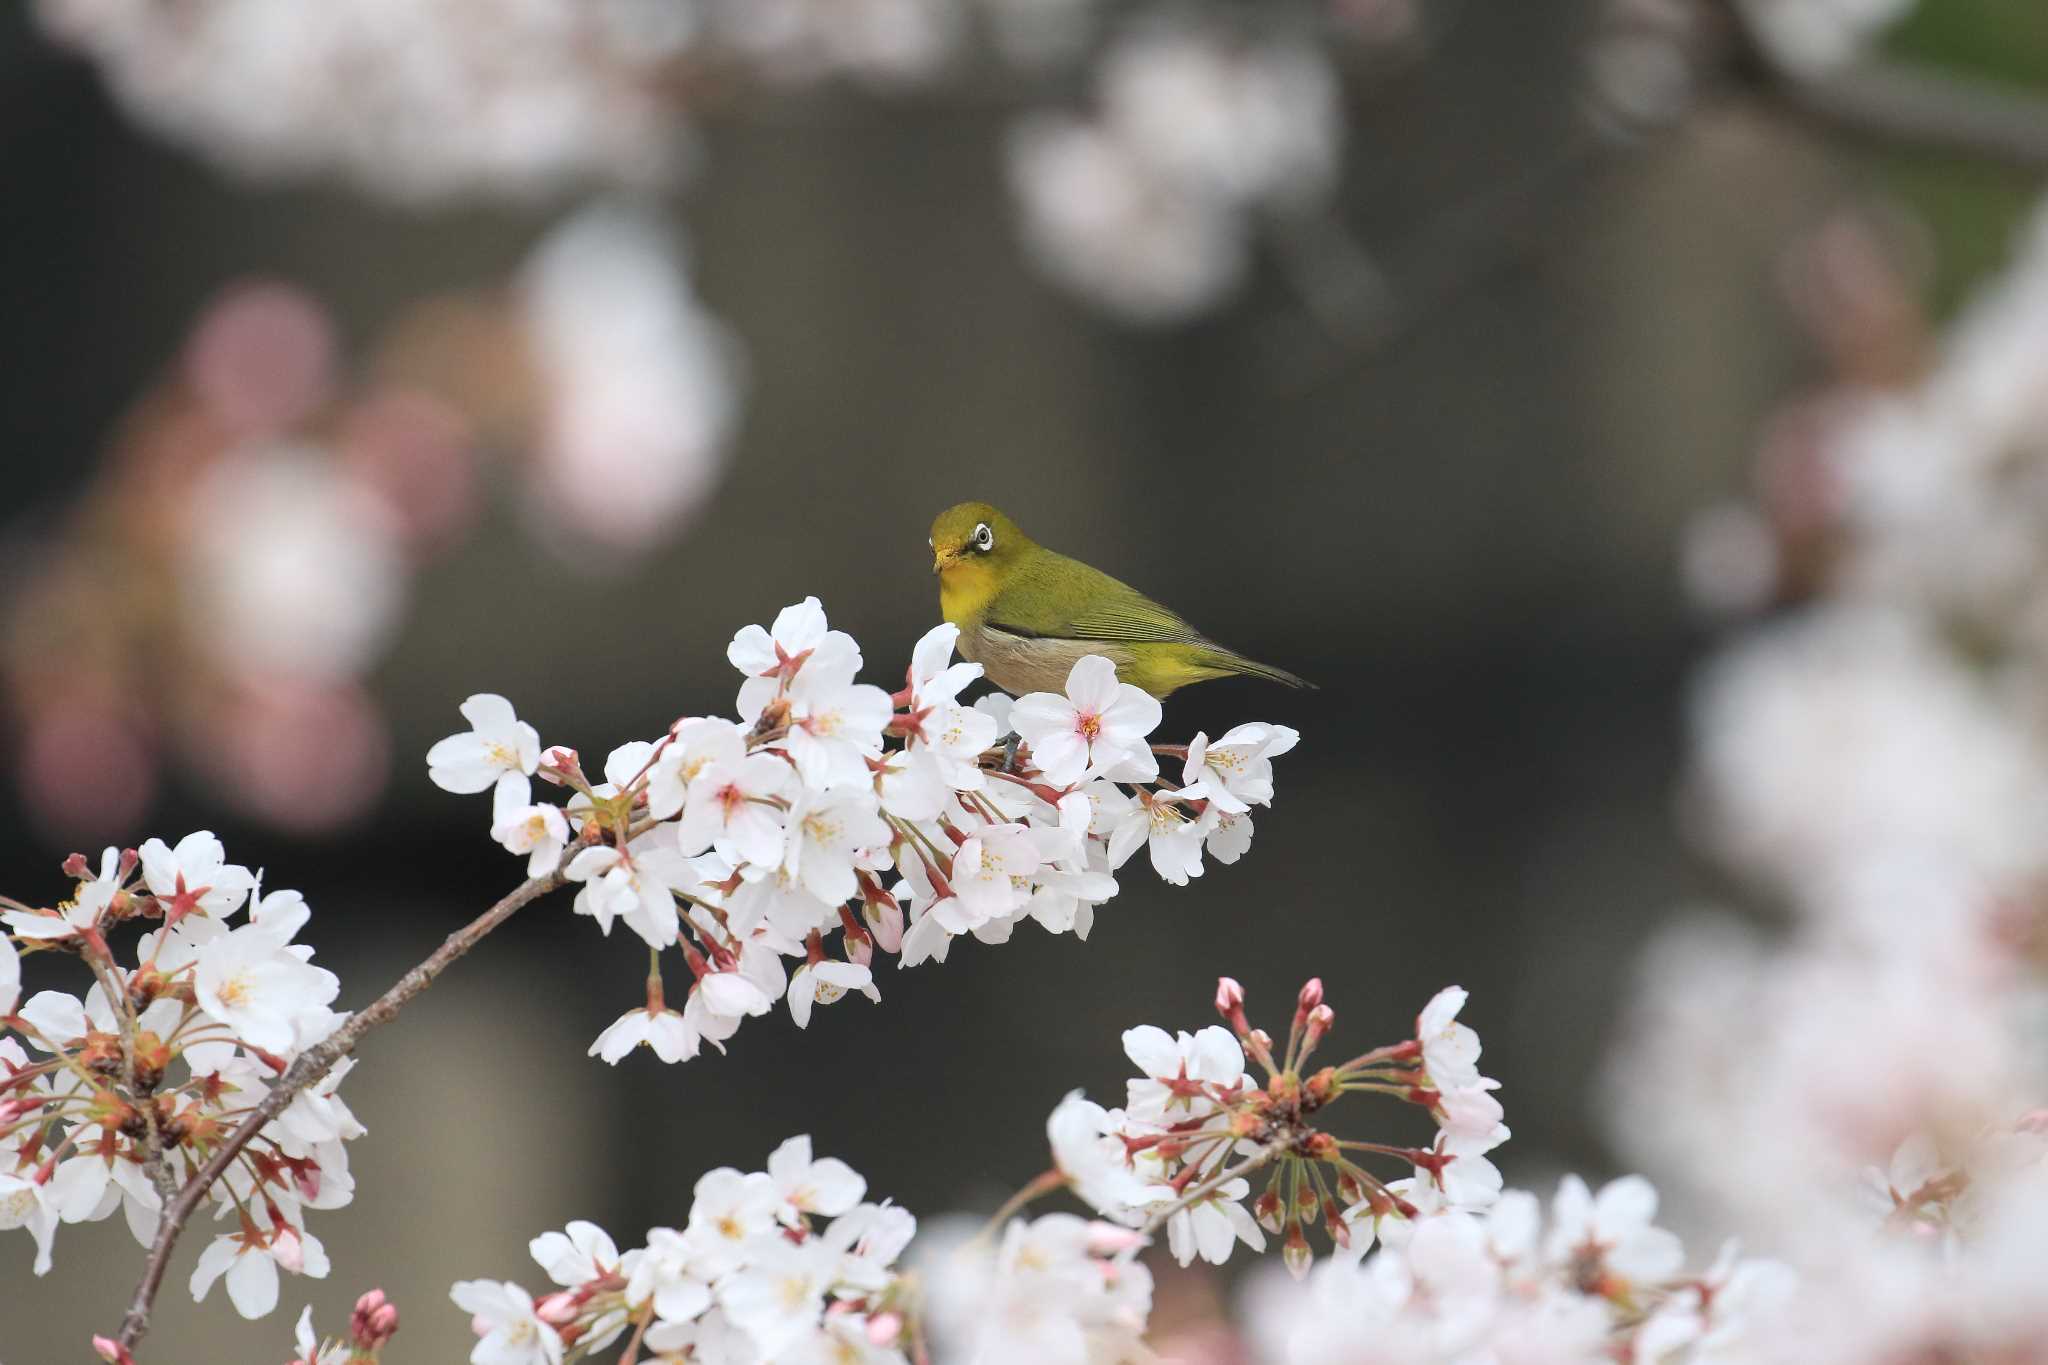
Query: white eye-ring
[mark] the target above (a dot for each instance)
(984, 539)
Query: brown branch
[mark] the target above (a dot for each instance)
(311, 1065)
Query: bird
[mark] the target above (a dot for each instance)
(1026, 614)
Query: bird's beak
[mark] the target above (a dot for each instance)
(938, 560)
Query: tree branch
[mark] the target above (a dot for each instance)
(1919, 106)
(310, 1066)
(1202, 1189)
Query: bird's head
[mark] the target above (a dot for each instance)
(974, 535)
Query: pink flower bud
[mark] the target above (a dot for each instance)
(558, 763)
(1319, 1020)
(77, 866)
(1108, 1239)
(884, 1329)
(1229, 996)
(1311, 995)
(374, 1322)
(558, 1309)
(887, 922)
(113, 1351)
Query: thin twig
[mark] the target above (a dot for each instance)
(312, 1064)
(1202, 1189)
(632, 1351)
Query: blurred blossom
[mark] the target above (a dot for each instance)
(1236, 122)
(302, 754)
(1728, 559)
(1844, 735)
(1812, 35)
(289, 566)
(1102, 223)
(413, 451)
(639, 386)
(261, 358)
(246, 558)
(1863, 1088)
(1148, 208)
(885, 41)
(418, 101)
(87, 763)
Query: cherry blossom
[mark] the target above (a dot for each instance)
(498, 745)
(1098, 729)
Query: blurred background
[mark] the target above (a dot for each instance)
(356, 362)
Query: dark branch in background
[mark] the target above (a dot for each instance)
(311, 1065)
(1920, 107)
(1362, 301)
(1899, 104)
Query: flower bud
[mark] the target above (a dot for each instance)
(374, 1322)
(1266, 1208)
(558, 1309)
(1311, 995)
(884, 1329)
(77, 866)
(1230, 1002)
(1334, 1224)
(1229, 994)
(106, 1347)
(1110, 1239)
(1296, 1253)
(1319, 1020)
(559, 764)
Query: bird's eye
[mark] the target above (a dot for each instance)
(984, 539)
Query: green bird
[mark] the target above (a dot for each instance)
(1026, 614)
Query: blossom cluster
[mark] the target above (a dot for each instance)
(787, 1264)
(1870, 759)
(1210, 124)
(832, 808)
(1150, 208)
(596, 386)
(1599, 1281)
(114, 1097)
(1194, 1118)
(1440, 1264)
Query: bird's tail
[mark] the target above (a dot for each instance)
(1230, 661)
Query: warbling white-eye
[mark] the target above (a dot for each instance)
(1026, 613)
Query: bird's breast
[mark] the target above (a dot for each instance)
(1020, 664)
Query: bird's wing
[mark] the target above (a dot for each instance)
(1109, 609)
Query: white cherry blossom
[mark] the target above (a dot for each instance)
(508, 1330)
(665, 1031)
(1099, 728)
(497, 745)
(196, 875)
